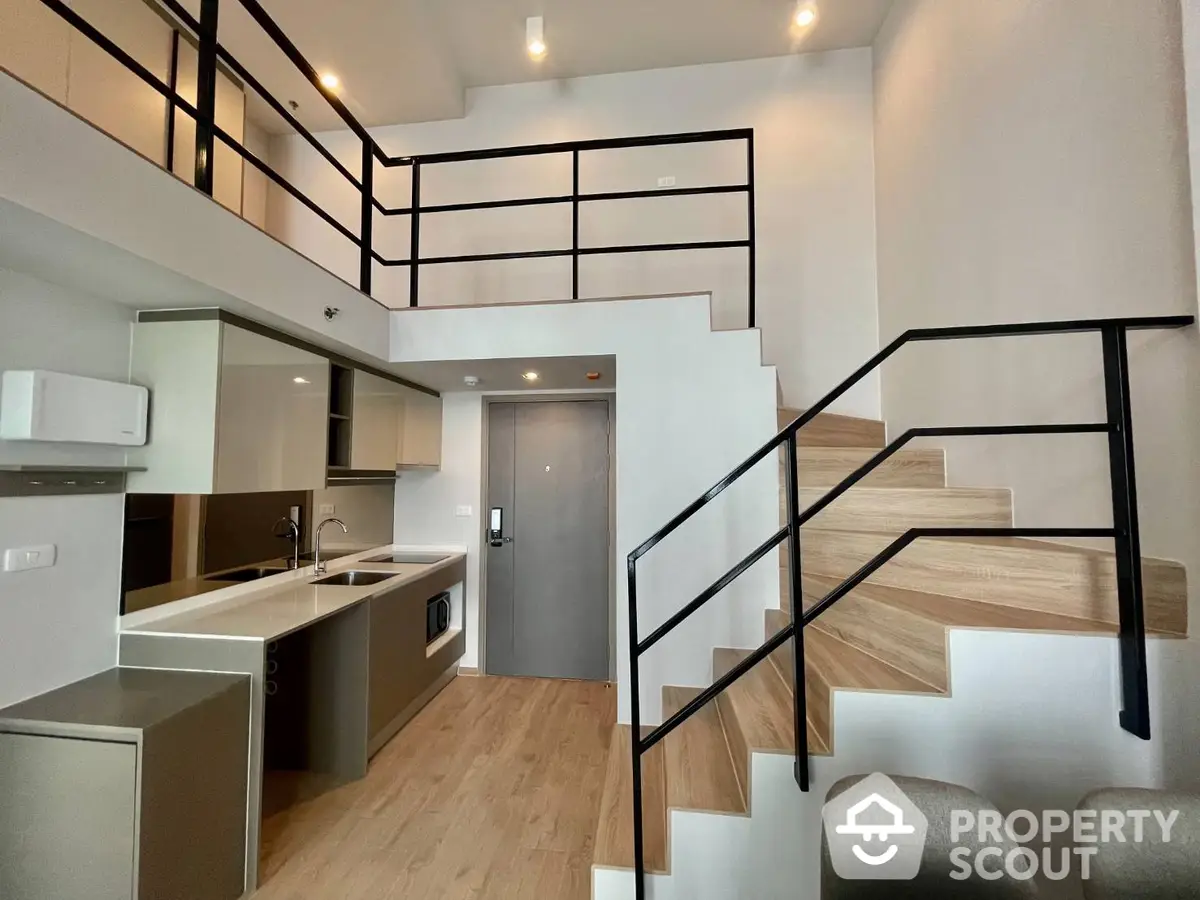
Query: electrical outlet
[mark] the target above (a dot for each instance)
(326, 509)
(463, 512)
(21, 558)
(667, 181)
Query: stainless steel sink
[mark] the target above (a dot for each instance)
(355, 579)
(409, 556)
(251, 574)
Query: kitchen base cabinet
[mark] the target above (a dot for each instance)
(402, 674)
(130, 785)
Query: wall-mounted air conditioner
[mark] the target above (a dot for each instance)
(49, 406)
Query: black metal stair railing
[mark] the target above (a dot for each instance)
(1118, 426)
(211, 54)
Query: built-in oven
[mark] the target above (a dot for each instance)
(437, 616)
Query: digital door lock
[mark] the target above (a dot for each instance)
(496, 536)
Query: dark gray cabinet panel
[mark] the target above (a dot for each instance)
(396, 654)
(401, 673)
(67, 819)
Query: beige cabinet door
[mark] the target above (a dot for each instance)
(421, 434)
(272, 416)
(375, 423)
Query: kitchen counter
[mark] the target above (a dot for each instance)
(187, 588)
(118, 703)
(272, 607)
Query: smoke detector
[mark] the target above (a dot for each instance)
(470, 380)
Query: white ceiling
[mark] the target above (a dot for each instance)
(412, 60)
(558, 373)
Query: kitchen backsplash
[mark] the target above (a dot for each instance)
(367, 510)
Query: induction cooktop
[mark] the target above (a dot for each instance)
(409, 556)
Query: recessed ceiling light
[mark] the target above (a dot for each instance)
(806, 14)
(530, 376)
(330, 82)
(300, 380)
(535, 38)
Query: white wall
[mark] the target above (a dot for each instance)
(815, 217)
(1190, 10)
(691, 405)
(254, 182)
(59, 624)
(1031, 165)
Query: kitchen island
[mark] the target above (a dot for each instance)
(336, 668)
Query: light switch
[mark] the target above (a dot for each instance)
(463, 512)
(666, 181)
(327, 509)
(19, 559)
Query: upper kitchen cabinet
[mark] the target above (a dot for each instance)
(231, 411)
(394, 425)
(376, 423)
(421, 437)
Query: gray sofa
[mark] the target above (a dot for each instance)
(1151, 870)
(936, 800)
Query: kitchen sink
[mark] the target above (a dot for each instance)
(406, 556)
(251, 574)
(355, 579)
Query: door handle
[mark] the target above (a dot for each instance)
(496, 536)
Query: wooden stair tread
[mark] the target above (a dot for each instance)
(825, 467)
(760, 702)
(898, 636)
(758, 712)
(885, 509)
(955, 612)
(614, 832)
(834, 430)
(842, 666)
(829, 665)
(699, 769)
(1043, 576)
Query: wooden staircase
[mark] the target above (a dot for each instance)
(889, 635)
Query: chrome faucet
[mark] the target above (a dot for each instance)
(294, 534)
(319, 565)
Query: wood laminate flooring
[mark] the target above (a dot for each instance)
(492, 792)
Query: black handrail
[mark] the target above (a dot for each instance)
(212, 53)
(1134, 716)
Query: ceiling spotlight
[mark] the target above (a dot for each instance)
(806, 14)
(330, 82)
(299, 380)
(535, 38)
(530, 376)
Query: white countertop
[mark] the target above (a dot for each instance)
(273, 607)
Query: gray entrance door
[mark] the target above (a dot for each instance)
(548, 567)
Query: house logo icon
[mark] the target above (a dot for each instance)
(874, 832)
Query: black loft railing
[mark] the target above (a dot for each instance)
(1118, 426)
(211, 54)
